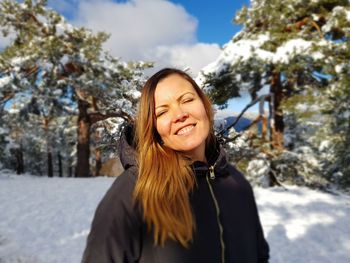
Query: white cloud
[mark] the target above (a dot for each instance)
(152, 30)
(193, 56)
(138, 25)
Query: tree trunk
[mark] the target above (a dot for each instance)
(46, 122)
(264, 129)
(70, 171)
(83, 146)
(277, 123)
(49, 164)
(98, 157)
(19, 163)
(59, 156)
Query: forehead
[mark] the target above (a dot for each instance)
(171, 88)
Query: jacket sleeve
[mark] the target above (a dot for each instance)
(263, 247)
(115, 234)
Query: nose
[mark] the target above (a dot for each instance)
(179, 115)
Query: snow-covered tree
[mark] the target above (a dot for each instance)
(296, 53)
(13, 140)
(65, 70)
(340, 101)
(37, 145)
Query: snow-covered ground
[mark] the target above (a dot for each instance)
(48, 219)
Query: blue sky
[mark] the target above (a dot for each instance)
(214, 18)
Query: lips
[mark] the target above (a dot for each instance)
(185, 129)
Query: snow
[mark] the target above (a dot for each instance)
(245, 49)
(318, 55)
(48, 219)
(292, 46)
(64, 27)
(325, 145)
(57, 92)
(338, 68)
(3, 130)
(134, 94)
(5, 80)
(304, 107)
(303, 225)
(258, 167)
(346, 114)
(19, 60)
(13, 110)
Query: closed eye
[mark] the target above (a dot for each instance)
(187, 100)
(158, 114)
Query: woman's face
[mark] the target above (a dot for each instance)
(181, 119)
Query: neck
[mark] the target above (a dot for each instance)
(198, 154)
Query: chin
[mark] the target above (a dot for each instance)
(190, 146)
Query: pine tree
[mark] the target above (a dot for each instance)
(297, 52)
(340, 102)
(65, 70)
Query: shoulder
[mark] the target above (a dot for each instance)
(114, 234)
(123, 185)
(239, 178)
(235, 172)
(118, 200)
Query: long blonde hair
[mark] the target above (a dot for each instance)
(165, 176)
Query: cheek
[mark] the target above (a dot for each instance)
(201, 114)
(205, 120)
(163, 127)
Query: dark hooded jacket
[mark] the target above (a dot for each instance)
(227, 230)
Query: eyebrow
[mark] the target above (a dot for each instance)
(178, 99)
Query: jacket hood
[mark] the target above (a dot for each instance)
(127, 147)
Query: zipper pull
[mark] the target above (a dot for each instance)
(211, 172)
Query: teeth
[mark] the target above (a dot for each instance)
(185, 130)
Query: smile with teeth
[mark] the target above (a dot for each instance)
(185, 130)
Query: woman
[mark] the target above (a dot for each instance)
(178, 200)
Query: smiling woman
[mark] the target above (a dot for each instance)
(178, 200)
(182, 121)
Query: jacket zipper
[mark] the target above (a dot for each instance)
(211, 172)
(217, 208)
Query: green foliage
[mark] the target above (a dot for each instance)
(227, 84)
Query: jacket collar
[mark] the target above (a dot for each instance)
(217, 158)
